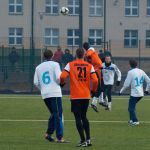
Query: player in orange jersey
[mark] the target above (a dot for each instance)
(92, 57)
(80, 72)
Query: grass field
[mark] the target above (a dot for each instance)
(23, 121)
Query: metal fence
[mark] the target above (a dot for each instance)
(16, 69)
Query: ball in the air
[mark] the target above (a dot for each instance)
(64, 11)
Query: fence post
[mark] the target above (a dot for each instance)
(109, 45)
(23, 59)
(2, 58)
(139, 53)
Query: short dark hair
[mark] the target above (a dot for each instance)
(86, 45)
(80, 53)
(48, 54)
(133, 63)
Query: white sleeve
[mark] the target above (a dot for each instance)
(36, 80)
(118, 72)
(57, 73)
(147, 80)
(127, 83)
(92, 70)
(67, 68)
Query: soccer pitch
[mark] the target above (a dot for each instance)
(23, 121)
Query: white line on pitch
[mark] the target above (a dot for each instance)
(38, 97)
(92, 121)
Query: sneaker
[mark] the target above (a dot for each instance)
(94, 108)
(135, 123)
(103, 104)
(89, 143)
(108, 108)
(49, 138)
(61, 140)
(130, 121)
(82, 144)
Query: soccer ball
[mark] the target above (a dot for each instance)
(64, 10)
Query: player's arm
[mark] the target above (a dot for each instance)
(94, 80)
(57, 73)
(64, 74)
(127, 83)
(118, 72)
(36, 80)
(88, 57)
(147, 80)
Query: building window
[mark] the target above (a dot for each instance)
(96, 7)
(131, 7)
(51, 37)
(15, 6)
(51, 7)
(73, 37)
(148, 7)
(15, 36)
(95, 37)
(148, 38)
(73, 6)
(131, 38)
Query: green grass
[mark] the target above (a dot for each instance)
(27, 135)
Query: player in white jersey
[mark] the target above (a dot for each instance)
(135, 79)
(47, 79)
(108, 71)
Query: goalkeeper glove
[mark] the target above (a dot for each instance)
(146, 92)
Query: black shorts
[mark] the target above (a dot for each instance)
(79, 105)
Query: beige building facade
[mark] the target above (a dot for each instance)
(127, 25)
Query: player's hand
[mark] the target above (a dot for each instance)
(62, 84)
(146, 92)
(117, 83)
(92, 94)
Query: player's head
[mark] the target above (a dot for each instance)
(107, 59)
(86, 45)
(133, 63)
(80, 53)
(48, 54)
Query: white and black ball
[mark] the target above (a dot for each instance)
(64, 11)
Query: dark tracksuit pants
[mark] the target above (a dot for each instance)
(107, 92)
(55, 121)
(132, 107)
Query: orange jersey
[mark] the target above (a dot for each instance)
(94, 59)
(80, 72)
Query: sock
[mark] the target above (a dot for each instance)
(109, 104)
(101, 98)
(94, 101)
(106, 100)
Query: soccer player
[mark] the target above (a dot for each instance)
(80, 72)
(92, 57)
(108, 71)
(47, 79)
(135, 79)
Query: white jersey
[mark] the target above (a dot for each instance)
(109, 73)
(47, 79)
(135, 79)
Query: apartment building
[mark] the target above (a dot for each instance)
(127, 25)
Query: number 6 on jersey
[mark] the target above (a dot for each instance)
(46, 78)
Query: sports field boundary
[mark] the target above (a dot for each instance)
(92, 121)
(64, 97)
